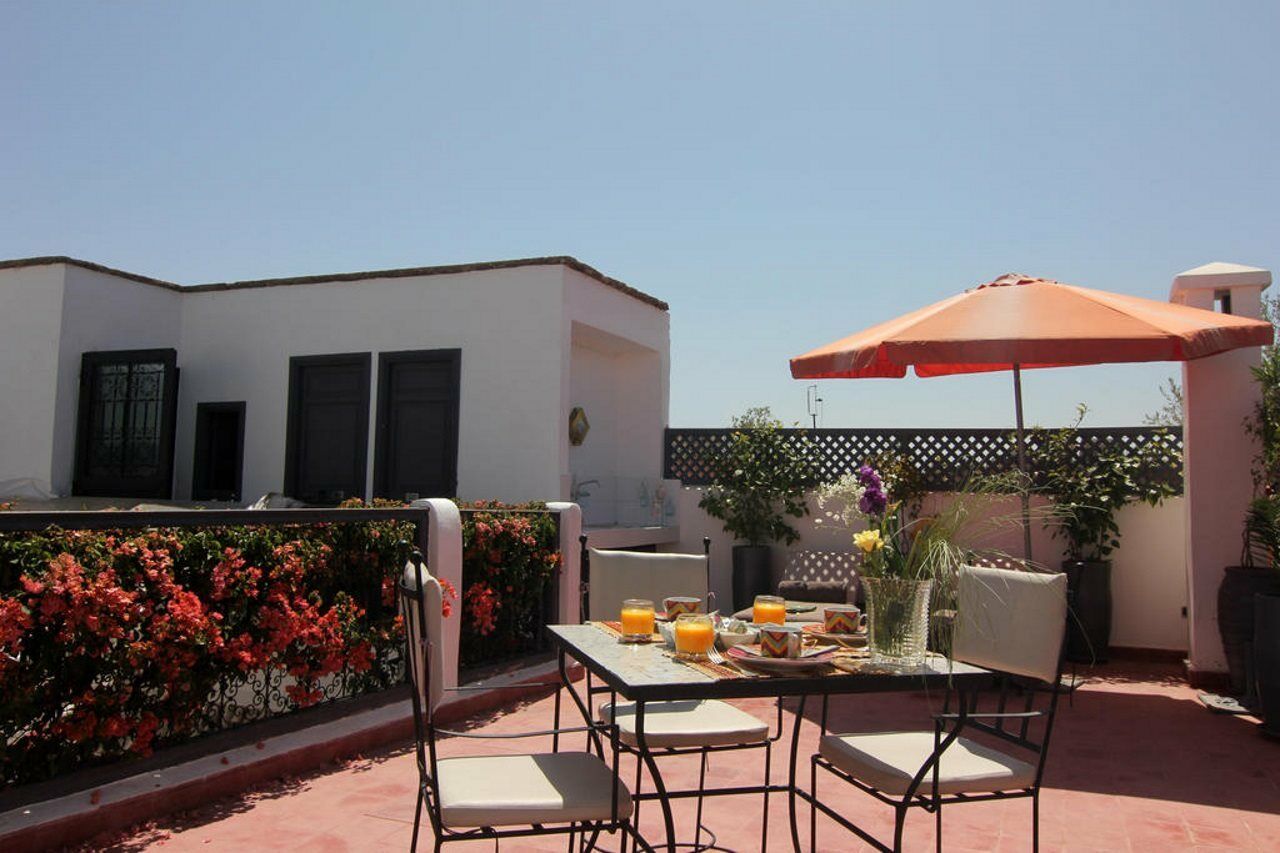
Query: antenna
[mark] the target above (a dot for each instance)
(814, 403)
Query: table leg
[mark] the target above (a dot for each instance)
(577, 700)
(656, 775)
(791, 774)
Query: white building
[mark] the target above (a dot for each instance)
(434, 381)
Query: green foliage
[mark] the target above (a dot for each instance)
(1089, 488)
(1264, 426)
(760, 481)
(1262, 533)
(1170, 412)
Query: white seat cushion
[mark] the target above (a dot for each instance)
(888, 761)
(687, 723)
(507, 790)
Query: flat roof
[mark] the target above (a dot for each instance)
(402, 272)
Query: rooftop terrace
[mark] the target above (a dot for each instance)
(1137, 764)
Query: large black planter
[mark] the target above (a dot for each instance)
(1235, 619)
(1089, 623)
(751, 574)
(1266, 659)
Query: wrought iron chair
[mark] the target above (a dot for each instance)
(698, 727)
(1012, 622)
(506, 796)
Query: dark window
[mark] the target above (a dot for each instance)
(417, 449)
(328, 432)
(124, 434)
(219, 452)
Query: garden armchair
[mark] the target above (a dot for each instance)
(1011, 622)
(499, 796)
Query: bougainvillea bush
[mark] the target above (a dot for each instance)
(113, 643)
(510, 558)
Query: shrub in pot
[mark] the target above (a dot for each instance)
(1261, 552)
(1087, 488)
(758, 483)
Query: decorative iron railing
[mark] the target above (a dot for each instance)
(944, 458)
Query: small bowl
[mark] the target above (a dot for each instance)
(668, 632)
(729, 639)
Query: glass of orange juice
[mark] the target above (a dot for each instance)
(695, 634)
(767, 609)
(637, 620)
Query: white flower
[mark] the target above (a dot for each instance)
(844, 494)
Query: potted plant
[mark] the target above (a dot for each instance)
(1253, 576)
(1262, 557)
(758, 483)
(1087, 488)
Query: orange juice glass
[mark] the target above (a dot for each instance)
(695, 634)
(637, 620)
(769, 608)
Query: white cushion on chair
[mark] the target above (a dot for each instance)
(619, 575)
(1012, 621)
(888, 761)
(507, 790)
(687, 723)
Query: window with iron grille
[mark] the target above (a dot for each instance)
(124, 437)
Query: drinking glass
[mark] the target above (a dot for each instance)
(695, 634)
(769, 608)
(637, 620)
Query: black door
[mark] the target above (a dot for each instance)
(328, 437)
(417, 450)
(219, 457)
(125, 424)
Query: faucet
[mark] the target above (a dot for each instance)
(578, 491)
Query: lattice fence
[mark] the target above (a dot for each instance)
(946, 458)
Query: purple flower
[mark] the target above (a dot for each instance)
(873, 501)
(868, 477)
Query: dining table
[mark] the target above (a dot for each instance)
(645, 673)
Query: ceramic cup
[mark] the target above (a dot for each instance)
(677, 604)
(841, 619)
(780, 641)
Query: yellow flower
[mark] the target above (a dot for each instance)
(868, 540)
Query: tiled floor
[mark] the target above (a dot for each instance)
(1136, 764)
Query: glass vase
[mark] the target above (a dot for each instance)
(897, 620)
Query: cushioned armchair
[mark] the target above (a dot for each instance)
(1012, 622)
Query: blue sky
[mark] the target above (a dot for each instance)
(782, 174)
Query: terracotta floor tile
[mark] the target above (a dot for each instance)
(1136, 765)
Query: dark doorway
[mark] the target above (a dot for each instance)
(219, 453)
(328, 434)
(417, 449)
(125, 424)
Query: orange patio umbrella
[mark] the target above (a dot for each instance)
(1018, 322)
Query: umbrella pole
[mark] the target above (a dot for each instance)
(1022, 462)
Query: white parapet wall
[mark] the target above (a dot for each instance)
(1148, 580)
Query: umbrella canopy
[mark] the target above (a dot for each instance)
(1019, 321)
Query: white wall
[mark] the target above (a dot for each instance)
(618, 356)
(507, 322)
(30, 323)
(105, 312)
(1148, 573)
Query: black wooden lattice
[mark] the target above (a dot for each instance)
(946, 458)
